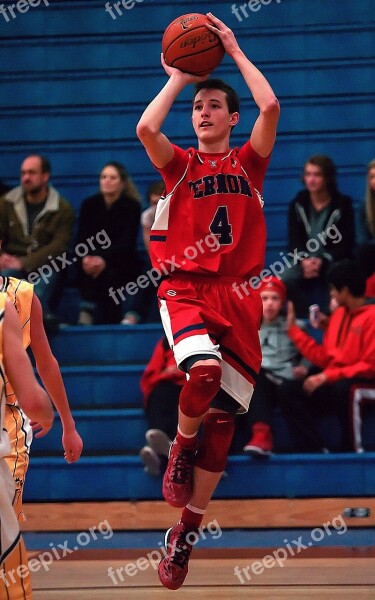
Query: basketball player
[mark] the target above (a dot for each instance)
(17, 424)
(14, 572)
(210, 192)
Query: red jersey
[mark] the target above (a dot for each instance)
(211, 221)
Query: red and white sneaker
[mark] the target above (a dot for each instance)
(261, 442)
(178, 477)
(174, 567)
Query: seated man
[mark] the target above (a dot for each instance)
(347, 353)
(35, 228)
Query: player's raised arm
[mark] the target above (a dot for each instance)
(263, 134)
(157, 145)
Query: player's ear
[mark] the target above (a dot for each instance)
(234, 118)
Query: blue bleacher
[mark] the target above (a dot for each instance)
(107, 407)
(74, 83)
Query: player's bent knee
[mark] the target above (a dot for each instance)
(218, 429)
(200, 389)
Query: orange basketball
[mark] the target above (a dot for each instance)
(190, 46)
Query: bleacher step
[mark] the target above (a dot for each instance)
(280, 476)
(105, 344)
(110, 431)
(103, 385)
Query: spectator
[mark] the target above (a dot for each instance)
(155, 190)
(145, 305)
(366, 229)
(366, 233)
(161, 384)
(321, 227)
(282, 372)
(346, 355)
(115, 211)
(35, 227)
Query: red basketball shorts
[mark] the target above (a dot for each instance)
(205, 316)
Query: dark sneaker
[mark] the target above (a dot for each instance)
(179, 543)
(151, 461)
(178, 477)
(261, 442)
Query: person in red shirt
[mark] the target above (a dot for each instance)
(208, 238)
(347, 353)
(161, 384)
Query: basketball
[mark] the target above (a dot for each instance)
(190, 46)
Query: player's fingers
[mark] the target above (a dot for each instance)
(211, 16)
(41, 433)
(219, 25)
(70, 456)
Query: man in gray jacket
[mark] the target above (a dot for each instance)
(35, 228)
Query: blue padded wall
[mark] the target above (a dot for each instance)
(75, 81)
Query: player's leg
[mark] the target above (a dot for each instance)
(15, 582)
(19, 431)
(14, 573)
(210, 462)
(194, 402)
(187, 321)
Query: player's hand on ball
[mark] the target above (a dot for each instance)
(185, 77)
(225, 34)
(73, 445)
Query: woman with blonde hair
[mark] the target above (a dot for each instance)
(110, 218)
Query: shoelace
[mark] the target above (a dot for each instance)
(181, 551)
(182, 467)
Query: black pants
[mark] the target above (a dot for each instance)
(162, 408)
(304, 292)
(109, 310)
(290, 397)
(328, 400)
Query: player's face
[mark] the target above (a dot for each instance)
(211, 119)
(314, 178)
(371, 178)
(272, 305)
(110, 181)
(32, 178)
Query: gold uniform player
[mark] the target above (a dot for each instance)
(14, 574)
(17, 424)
